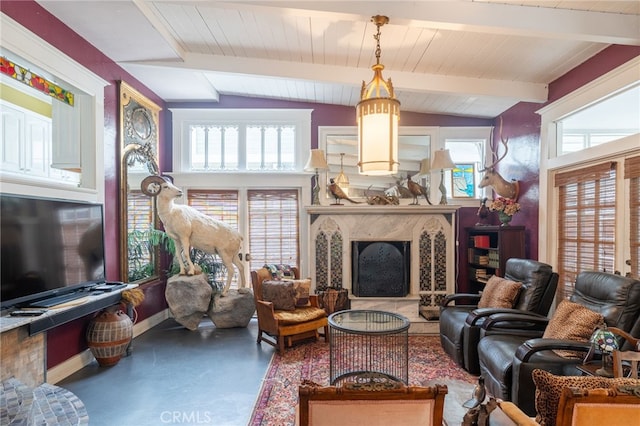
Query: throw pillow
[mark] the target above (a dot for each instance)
(302, 287)
(281, 293)
(572, 321)
(499, 293)
(549, 388)
(279, 272)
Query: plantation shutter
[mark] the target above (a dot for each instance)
(632, 172)
(273, 227)
(586, 222)
(221, 205)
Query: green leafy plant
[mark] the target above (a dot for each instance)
(142, 243)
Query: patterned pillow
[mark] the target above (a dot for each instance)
(499, 293)
(572, 321)
(549, 388)
(302, 287)
(279, 272)
(281, 293)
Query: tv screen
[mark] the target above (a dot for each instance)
(48, 246)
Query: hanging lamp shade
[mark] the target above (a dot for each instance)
(378, 115)
(342, 180)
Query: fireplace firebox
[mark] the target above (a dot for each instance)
(381, 268)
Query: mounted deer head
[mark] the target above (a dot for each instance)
(493, 179)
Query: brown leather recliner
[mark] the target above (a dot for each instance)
(460, 324)
(507, 360)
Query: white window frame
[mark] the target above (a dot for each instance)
(183, 118)
(455, 134)
(25, 44)
(614, 81)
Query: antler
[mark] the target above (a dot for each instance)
(506, 149)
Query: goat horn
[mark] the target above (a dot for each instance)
(151, 185)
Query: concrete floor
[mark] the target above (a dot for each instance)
(177, 377)
(207, 377)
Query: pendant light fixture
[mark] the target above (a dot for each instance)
(342, 180)
(378, 114)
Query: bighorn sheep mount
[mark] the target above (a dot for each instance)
(492, 178)
(189, 227)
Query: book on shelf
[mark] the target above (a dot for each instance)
(483, 278)
(481, 241)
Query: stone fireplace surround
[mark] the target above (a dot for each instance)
(431, 231)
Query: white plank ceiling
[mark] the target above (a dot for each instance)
(460, 57)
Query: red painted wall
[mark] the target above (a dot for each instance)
(68, 340)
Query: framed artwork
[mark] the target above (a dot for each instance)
(463, 181)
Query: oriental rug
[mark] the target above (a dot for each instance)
(428, 364)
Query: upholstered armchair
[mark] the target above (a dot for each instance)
(373, 398)
(282, 317)
(460, 324)
(578, 407)
(507, 360)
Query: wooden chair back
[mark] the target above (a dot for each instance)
(372, 400)
(626, 364)
(598, 407)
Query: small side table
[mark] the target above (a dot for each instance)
(368, 341)
(589, 369)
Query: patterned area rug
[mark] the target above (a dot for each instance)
(428, 364)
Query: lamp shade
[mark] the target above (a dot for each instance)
(442, 160)
(342, 180)
(604, 340)
(377, 115)
(316, 161)
(378, 136)
(425, 167)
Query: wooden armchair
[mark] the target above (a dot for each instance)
(279, 327)
(621, 357)
(373, 399)
(594, 407)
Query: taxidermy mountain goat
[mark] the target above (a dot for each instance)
(189, 227)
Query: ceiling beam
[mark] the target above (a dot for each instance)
(523, 91)
(482, 17)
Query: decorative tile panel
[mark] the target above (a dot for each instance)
(336, 260)
(321, 261)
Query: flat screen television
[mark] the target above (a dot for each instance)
(48, 247)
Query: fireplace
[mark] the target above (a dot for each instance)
(380, 268)
(421, 238)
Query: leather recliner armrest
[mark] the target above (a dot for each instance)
(481, 313)
(473, 297)
(516, 323)
(532, 346)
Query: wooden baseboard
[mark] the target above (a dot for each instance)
(84, 358)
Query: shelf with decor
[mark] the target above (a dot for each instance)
(489, 248)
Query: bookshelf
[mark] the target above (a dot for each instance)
(489, 248)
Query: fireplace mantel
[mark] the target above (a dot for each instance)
(368, 209)
(431, 230)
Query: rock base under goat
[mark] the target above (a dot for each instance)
(190, 299)
(233, 310)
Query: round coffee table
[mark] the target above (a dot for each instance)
(368, 341)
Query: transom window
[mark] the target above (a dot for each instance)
(241, 140)
(612, 118)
